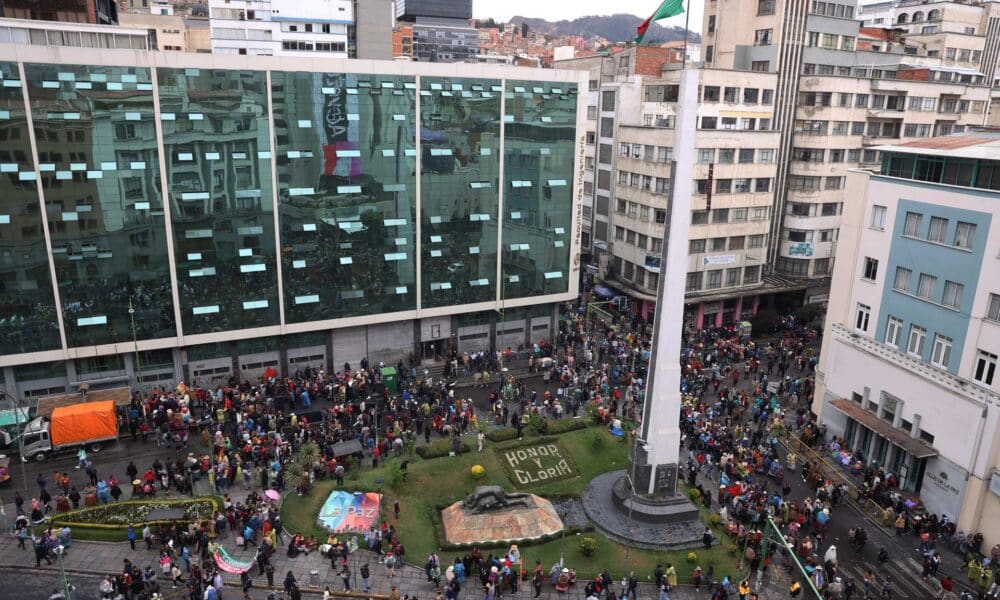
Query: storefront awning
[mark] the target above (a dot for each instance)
(913, 446)
(604, 292)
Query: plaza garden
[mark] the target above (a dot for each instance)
(554, 466)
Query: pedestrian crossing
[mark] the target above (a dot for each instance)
(906, 581)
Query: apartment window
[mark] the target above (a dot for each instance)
(853, 156)
(607, 127)
(731, 94)
(757, 241)
(630, 237)
(693, 283)
(751, 274)
(833, 183)
(718, 244)
(767, 96)
(699, 217)
(964, 233)
(952, 294)
(709, 123)
(746, 155)
(714, 279)
(878, 217)
(829, 209)
(813, 39)
(847, 42)
(765, 7)
(709, 54)
(623, 149)
(727, 155)
(993, 310)
(821, 266)
(711, 24)
(762, 37)
(901, 281)
(720, 215)
(741, 185)
(592, 113)
(758, 213)
(620, 234)
(710, 93)
(696, 246)
(723, 186)
(659, 215)
(836, 156)
(911, 227)
(858, 128)
(762, 184)
(986, 367)
(864, 314)
(915, 344)
(739, 215)
(760, 65)
(941, 351)
(737, 242)
(733, 276)
(765, 155)
(937, 229)
(706, 155)
(893, 327)
(871, 269)
(925, 286)
(591, 138)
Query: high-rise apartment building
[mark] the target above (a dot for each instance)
(281, 27)
(793, 94)
(96, 12)
(441, 30)
(907, 378)
(182, 216)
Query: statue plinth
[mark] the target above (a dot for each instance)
(491, 514)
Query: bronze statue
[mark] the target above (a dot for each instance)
(487, 498)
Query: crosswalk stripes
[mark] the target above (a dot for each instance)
(906, 581)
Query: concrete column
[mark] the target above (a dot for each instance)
(654, 460)
(178, 365)
(699, 319)
(738, 313)
(718, 317)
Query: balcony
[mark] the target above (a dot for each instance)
(972, 392)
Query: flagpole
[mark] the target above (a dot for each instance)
(687, 20)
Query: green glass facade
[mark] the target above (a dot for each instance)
(459, 176)
(97, 148)
(217, 147)
(346, 161)
(539, 143)
(28, 319)
(260, 198)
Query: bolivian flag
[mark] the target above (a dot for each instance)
(669, 8)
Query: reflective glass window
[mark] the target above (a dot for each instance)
(218, 161)
(28, 320)
(97, 148)
(459, 169)
(538, 187)
(347, 194)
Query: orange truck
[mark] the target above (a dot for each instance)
(89, 425)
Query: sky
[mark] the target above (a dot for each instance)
(557, 10)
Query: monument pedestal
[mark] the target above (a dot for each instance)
(675, 508)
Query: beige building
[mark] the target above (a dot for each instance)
(170, 32)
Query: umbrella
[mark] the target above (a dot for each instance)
(270, 372)
(272, 495)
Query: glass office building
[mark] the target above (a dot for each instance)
(195, 217)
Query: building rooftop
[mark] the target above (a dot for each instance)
(983, 144)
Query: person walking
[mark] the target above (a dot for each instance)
(345, 576)
(130, 534)
(536, 581)
(395, 508)
(81, 458)
(365, 575)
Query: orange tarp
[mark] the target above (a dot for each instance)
(83, 423)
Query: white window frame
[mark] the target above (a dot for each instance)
(878, 217)
(993, 308)
(904, 274)
(986, 367)
(964, 234)
(863, 317)
(911, 226)
(916, 340)
(941, 351)
(926, 292)
(870, 272)
(893, 329)
(952, 296)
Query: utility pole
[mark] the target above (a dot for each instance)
(135, 345)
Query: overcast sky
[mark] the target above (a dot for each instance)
(557, 10)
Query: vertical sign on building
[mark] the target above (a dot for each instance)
(339, 131)
(708, 186)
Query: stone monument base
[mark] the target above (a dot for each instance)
(500, 525)
(654, 524)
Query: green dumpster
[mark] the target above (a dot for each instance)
(390, 379)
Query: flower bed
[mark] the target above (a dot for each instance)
(119, 515)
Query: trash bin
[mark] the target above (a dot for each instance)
(314, 578)
(390, 379)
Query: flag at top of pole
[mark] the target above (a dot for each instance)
(669, 8)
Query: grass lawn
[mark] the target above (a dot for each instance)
(448, 479)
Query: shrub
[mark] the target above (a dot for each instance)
(537, 425)
(588, 545)
(714, 520)
(692, 557)
(396, 475)
(592, 412)
(564, 425)
(501, 435)
(439, 448)
(598, 440)
(694, 494)
(731, 549)
(477, 471)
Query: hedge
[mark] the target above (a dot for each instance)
(440, 448)
(551, 427)
(501, 435)
(72, 517)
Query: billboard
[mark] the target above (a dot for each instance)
(355, 512)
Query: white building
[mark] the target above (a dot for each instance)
(281, 27)
(907, 373)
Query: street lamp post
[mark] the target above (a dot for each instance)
(135, 344)
(67, 588)
(18, 436)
